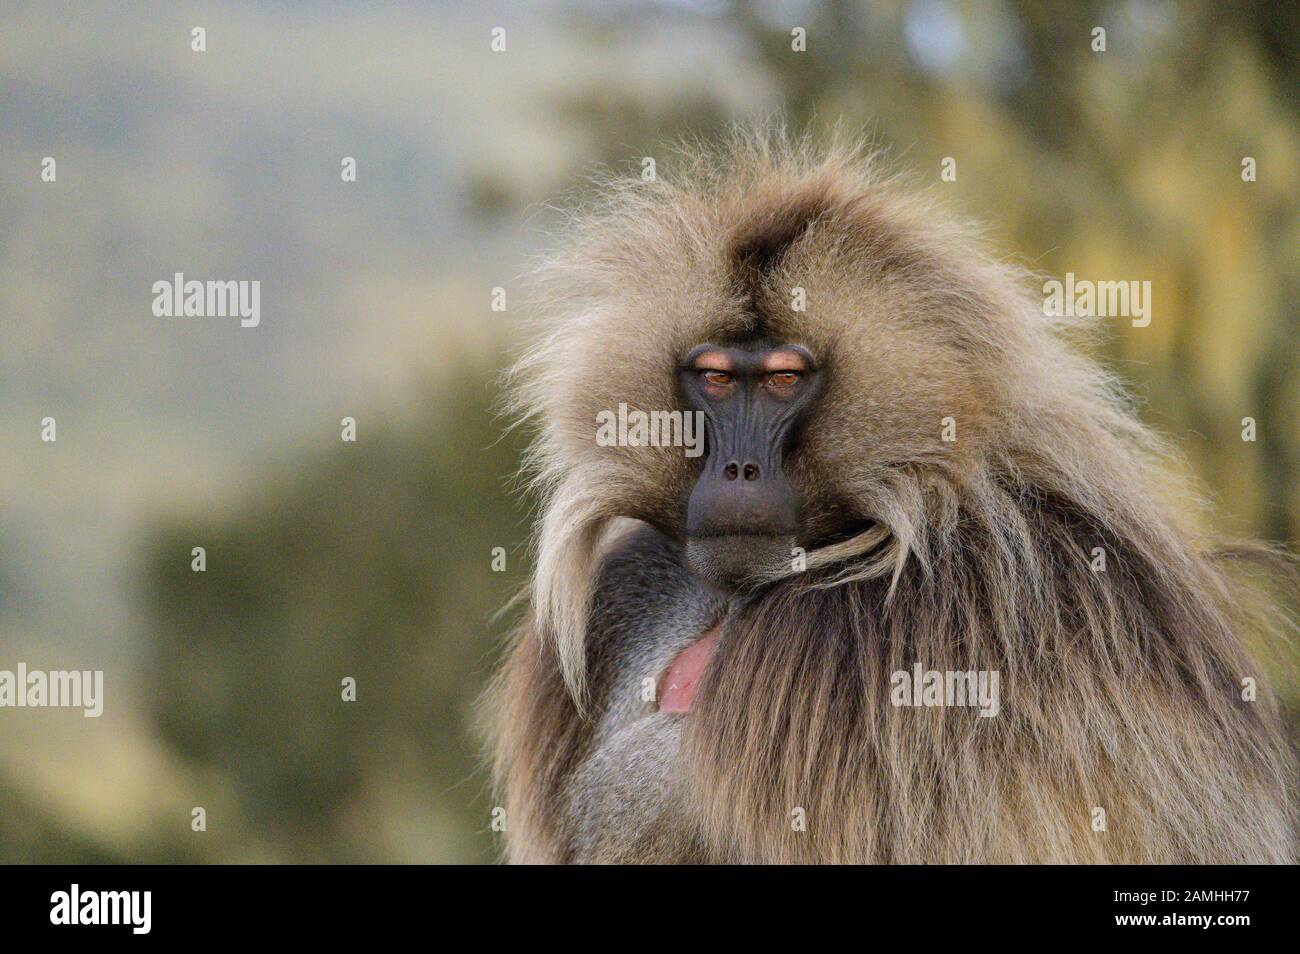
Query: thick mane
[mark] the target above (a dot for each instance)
(980, 554)
(795, 711)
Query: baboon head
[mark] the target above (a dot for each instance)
(849, 347)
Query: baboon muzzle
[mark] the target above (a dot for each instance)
(742, 517)
(742, 492)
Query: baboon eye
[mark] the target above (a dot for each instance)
(782, 380)
(718, 379)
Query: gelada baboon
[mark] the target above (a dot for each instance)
(907, 468)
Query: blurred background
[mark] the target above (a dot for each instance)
(373, 559)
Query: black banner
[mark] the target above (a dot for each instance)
(144, 904)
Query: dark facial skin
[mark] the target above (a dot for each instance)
(743, 516)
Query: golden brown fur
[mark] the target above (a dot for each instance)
(1121, 689)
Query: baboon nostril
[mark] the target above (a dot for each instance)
(731, 471)
(751, 472)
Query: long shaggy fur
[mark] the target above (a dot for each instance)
(1121, 689)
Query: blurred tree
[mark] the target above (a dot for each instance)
(372, 561)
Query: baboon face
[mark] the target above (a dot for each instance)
(826, 339)
(743, 515)
(839, 374)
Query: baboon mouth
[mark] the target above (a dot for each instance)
(738, 561)
(682, 678)
(738, 533)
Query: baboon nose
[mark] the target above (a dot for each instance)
(749, 469)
